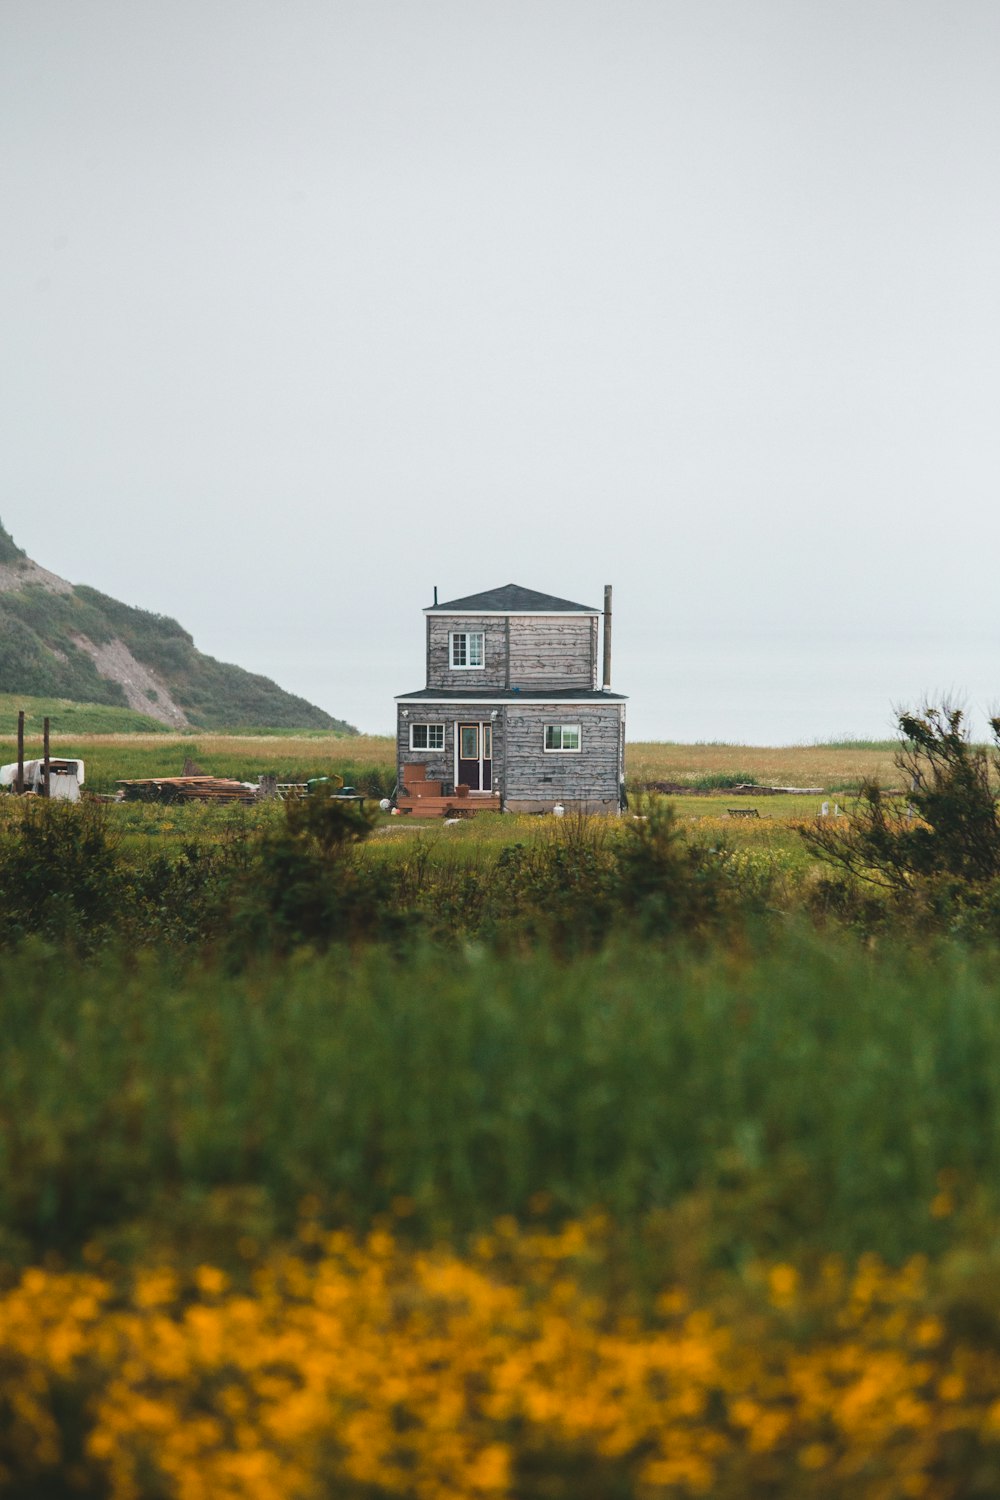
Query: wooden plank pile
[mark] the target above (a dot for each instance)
(186, 789)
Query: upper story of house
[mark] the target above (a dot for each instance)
(512, 638)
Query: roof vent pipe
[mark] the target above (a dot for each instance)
(607, 637)
(435, 596)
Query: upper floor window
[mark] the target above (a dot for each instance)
(467, 648)
(562, 736)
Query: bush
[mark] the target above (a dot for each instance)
(667, 884)
(932, 852)
(305, 888)
(60, 874)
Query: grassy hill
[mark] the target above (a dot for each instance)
(59, 641)
(68, 717)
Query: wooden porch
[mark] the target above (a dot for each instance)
(426, 799)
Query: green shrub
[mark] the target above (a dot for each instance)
(723, 780)
(666, 883)
(61, 878)
(304, 888)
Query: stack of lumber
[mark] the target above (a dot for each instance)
(186, 789)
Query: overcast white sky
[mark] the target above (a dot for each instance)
(308, 306)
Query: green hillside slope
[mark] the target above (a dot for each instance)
(41, 655)
(68, 717)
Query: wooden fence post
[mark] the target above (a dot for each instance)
(19, 784)
(45, 762)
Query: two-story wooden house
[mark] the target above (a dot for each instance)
(516, 708)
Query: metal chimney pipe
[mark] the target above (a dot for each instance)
(607, 637)
(435, 596)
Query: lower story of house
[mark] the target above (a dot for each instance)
(514, 754)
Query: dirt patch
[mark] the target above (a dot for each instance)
(17, 575)
(115, 661)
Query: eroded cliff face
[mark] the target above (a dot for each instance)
(15, 576)
(144, 688)
(59, 639)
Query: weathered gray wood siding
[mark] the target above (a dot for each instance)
(531, 651)
(533, 774)
(551, 651)
(473, 680)
(441, 763)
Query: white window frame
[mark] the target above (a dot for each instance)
(430, 749)
(466, 636)
(562, 749)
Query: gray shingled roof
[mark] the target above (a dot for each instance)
(512, 599)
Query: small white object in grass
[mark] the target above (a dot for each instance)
(824, 811)
(395, 812)
(385, 804)
(558, 810)
(450, 822)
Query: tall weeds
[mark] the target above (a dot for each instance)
(805, 1096)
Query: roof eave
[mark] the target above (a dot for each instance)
(440, 609)
(599, 696)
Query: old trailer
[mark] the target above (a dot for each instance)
(65, 777)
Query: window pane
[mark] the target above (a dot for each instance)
(475, 649)
(469, 749)
(458, 658)
(435, 736)
(487, 742)
(562, 736)
(418, 737)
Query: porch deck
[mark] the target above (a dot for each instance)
(427, 799)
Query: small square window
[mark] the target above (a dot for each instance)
(468, 649)
(426, 736)
(562, 737)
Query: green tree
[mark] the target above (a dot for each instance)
(939, 833)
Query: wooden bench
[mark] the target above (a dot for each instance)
(742, 812)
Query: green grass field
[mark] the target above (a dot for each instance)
(110, 757)
(104, 739)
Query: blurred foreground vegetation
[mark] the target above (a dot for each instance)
(523, 1159)
(805, 1098)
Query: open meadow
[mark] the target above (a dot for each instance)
(370, 759)
(520, 1158)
